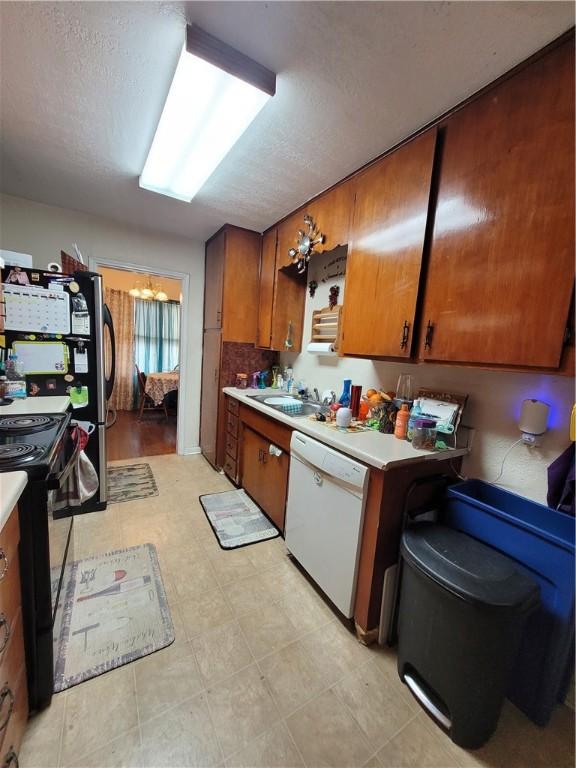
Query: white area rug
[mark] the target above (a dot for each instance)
(115, 611)
(236, 519)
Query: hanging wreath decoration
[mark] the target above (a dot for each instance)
(305, 244)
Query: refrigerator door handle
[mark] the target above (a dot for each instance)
(110, 325)
(99, 336)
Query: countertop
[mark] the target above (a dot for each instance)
(28, 405)
(11, 486)
(373, 448)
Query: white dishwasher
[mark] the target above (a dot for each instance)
(324, 514)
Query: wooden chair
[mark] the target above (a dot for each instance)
(146, 403)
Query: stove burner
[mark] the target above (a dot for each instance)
(25, 423)
(17, 452)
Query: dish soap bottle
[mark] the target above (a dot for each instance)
(415, 413)
(402, 418)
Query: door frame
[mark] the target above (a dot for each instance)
(184, 386)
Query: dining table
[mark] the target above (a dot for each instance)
(159, 384)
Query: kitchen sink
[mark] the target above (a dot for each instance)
(307, 408)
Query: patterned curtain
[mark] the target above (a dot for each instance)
(121, 306)
(156, 335)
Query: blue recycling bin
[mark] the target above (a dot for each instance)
(541, 541)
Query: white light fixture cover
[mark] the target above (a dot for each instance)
(206, 112)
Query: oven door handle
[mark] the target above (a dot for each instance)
(55, 481)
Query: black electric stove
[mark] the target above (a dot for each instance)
(32, 443)
(42, 446)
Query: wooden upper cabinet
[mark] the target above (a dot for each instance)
(214, 281)
(231, 284)
(385, 253)
(266, 294)
(332, 212)
(287, 237)
(500, 276)
(240, 295)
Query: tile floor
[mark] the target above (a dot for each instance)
(262, 673)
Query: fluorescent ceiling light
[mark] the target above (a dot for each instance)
(206, 112)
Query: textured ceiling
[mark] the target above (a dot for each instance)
(83, 84)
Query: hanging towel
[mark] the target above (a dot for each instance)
(561, 482)
(82, 482)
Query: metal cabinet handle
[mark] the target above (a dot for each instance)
(428, 337)
(6, 693)
(4, 625)
(10, 759)
(5, 559)
(405, 331)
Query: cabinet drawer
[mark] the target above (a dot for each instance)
(14, 731)
(12, 670)
(230, 467)
(10, 598)
(233, 405)
(232, 424)
(9, 538)
(232, 447)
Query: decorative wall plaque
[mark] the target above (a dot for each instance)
(305, 244)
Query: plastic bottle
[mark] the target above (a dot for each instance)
(344, 399)
(414, 414)
(402, 418)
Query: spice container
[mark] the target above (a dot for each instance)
(241, 380)
(424, 435)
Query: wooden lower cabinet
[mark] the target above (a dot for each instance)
(13, 684)
(265, 476)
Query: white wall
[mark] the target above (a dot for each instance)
(493, 406)
(43, 230)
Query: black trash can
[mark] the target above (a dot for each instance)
(462, 610)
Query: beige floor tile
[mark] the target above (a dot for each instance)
(327, 735)
(292, 676)
(204, 612)
(307, 610)
(41, 745)
(374, 704)
(267, 629)
(162, 681)
(98, 711)
(416, 747)
(246, 595)
(184, 736)
(242, 709)
(123, 752)
(372, 763)
(231, 566)
(266, 554)
(191, 577)
(274, 749)
(335, 650)
(221, 652)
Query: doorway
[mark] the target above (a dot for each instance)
(146, 309)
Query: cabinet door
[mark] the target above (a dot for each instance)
(500, 276)
(265, 477)
(385, 256)
(210, 394)
(214, 281)
(288, 312)
(332, 212)
(266, 294)
(241, 265)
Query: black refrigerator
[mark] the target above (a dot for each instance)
(62, 333)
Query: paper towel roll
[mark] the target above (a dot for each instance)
(321, 348)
